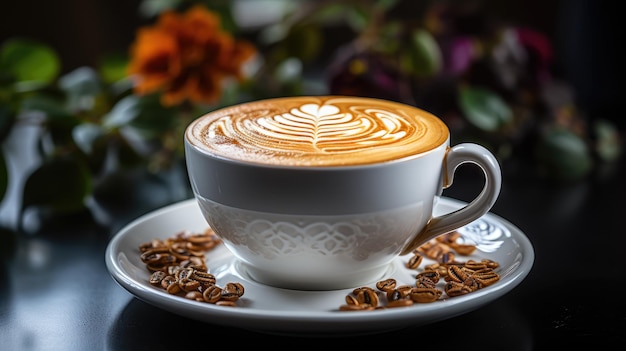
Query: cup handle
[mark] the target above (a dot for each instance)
(455, 156)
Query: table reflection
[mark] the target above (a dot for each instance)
(497, 326)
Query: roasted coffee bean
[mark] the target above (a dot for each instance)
(357, 290)
(439, 268)
(204, 278)
(154, 255)
(471, 283)
(185, 273)
(415, 261)
(172, 270)
(424, 282)
(194, 295)
(167, 281)
(477, 265)
(431, 275)
(362, 307)
(449, 238)
(393, 295)
(150, 245)
(156, 278)
(454, 288)
(404, 290)
(367, 297)
(387, 284)
(351, 300)
(457, 274)
(187, 284)
(212, 294)
(181, 254)
(447, 258)
(425, 295)
(436, 250)
(485, 277)
(400, 303)
(178, 266)
(173, 289)
(234, 288)
(229, 296)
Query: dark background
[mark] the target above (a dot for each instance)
(584, 34)
(573, 296)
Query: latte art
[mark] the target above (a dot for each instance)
(318, 131)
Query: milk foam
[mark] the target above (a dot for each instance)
(317, 131)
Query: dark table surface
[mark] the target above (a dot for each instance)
(57, 294)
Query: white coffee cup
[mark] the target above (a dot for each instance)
(324, 192)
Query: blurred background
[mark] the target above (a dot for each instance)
(90, 105)
(585, 34)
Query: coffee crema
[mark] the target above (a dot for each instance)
(317, 131)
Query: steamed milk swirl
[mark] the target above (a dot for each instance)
(318, 131)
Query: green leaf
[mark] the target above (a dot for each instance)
(563, 155)
(58, 121)
(43, 103)
(31, 63)
(358, 18)
(86, 135)
(608, 145)
(484, 109)
(424, 55)
(289, 70)
(122, 113)
(113, 68)
(152, 118)
(81, 81)
(273, 33)
(60, 185)
(82, 86)
(95, 143)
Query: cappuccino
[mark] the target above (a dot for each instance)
(318, 131)
(323, 192)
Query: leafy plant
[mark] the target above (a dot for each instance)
(488, 81)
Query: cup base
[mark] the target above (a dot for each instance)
(308, 283)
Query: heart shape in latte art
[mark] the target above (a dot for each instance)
(320, 131)
(325, 128)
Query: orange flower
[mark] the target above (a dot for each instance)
(187, 57)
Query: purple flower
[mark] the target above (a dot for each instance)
(539, 51)
(460, 55)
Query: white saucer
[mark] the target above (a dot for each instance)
(280, 311)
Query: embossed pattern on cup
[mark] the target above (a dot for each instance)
(323, 192)
(348, 248)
